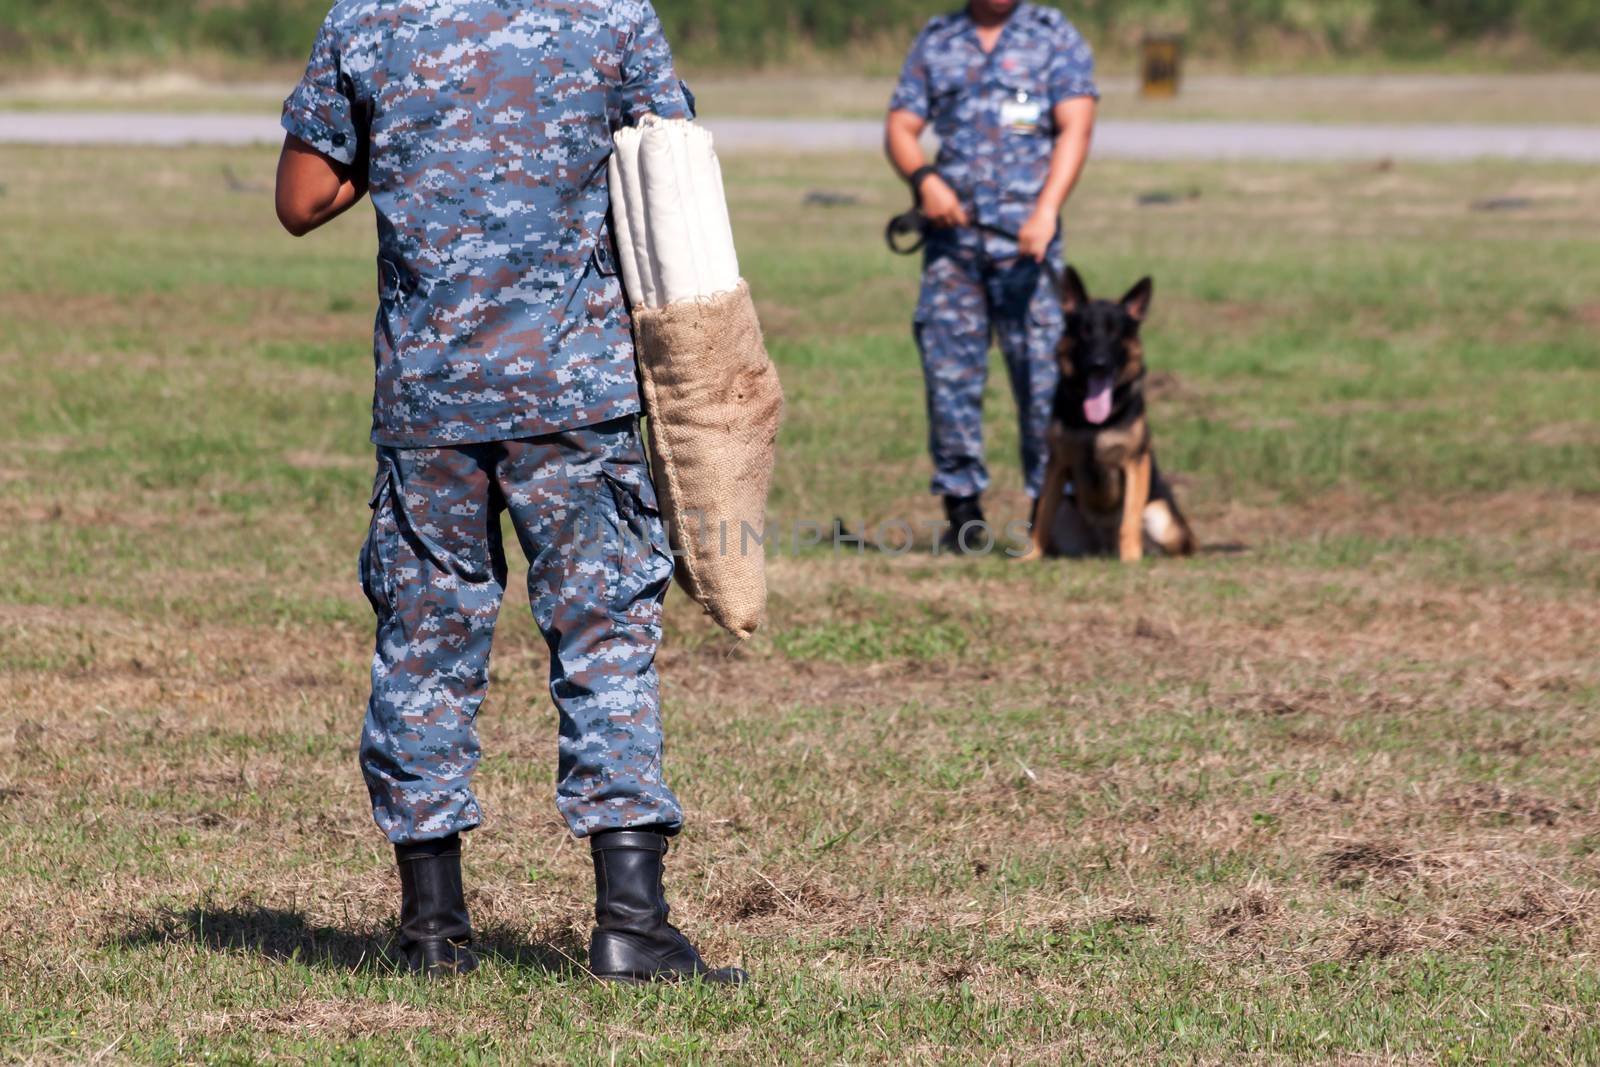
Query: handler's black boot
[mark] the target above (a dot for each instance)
(434, 931)
(633, 942)
(963, 512)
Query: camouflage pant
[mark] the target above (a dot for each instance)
(975, 289)
(434, 568)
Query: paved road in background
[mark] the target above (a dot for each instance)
(1114, 139)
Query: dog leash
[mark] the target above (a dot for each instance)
(914, 224)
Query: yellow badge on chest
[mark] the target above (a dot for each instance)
(1021, 113)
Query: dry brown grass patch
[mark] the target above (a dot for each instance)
(1558, 434)
(1538, 910)
(1491, 803)
(1354, 863)
(1255, 911)
(345, 1019)
(762, 898)
(1100, 913)
(1371, 937)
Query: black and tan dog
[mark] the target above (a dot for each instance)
(1100, 440)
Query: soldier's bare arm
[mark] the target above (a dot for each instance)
(902, 140)
(1074, 122)
(314, 189)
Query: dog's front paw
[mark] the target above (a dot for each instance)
(1032, 555)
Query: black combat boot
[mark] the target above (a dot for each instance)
(633, 942)
(434, 931)
(963, 512)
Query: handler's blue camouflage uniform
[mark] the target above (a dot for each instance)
(993, 115)
(505, 382)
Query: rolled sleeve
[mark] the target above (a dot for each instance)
(320, 111)
(1072, 71)
(911, 92)
(650, 85)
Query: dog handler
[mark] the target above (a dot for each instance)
(1009, 88)
(505, 384)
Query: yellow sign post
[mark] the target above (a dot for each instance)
(1162, 67)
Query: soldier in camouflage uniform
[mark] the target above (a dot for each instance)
(1009, 89)
(505, 384)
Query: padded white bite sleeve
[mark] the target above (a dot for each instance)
(629, 216)
(622, 232)
(680, 136)
(721, 272)
(671, 247)
(670, 214)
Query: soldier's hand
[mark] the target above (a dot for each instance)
(941, 204)
(1033, 240)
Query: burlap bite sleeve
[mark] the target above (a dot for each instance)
(714, 403)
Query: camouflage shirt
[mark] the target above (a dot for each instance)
(486, 129)
(993, 113)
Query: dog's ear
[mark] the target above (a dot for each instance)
(1074, 294)
(1137, 302)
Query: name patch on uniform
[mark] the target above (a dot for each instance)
(1021, 114)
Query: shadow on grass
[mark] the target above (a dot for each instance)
(286, 936)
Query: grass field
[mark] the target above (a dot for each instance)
(1565, 98)
(1327, 793)
(1367, 98)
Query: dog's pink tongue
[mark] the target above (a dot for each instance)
(1097, 405)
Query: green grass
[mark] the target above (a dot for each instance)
(1325, 793)
(1361, 93)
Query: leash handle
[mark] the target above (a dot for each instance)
(914, 224)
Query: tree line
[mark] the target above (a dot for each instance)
(739, 33)
(766, 29)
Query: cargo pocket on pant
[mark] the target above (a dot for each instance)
(639, 563)
(378, 551)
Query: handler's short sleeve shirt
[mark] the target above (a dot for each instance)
(486, 129)
(994, 113)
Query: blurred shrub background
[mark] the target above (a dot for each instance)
(740, 33)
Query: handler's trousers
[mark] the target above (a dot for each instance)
(434, 568)
(975, 289)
